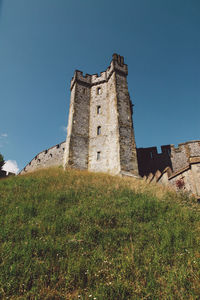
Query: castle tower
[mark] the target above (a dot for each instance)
(100, 134)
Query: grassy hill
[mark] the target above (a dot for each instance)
(78, 235)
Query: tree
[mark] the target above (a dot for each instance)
(1, 161)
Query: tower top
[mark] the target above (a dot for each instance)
(119, 59)
(117, 65)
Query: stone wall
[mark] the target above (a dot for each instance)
(149, 160)
(100, 133)
(185, 179)
(76, 154)
(128, 157)
(103, 115)
(180, 156)
(195, 167)
(47, 158)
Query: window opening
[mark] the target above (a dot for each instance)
(98, 155)
(98, 91)
(98, 130)
(98, 109)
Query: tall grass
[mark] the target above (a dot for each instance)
(78, 235)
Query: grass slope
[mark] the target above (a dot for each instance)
(77, 235)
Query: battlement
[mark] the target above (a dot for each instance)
(96, 79)
(117, 65)
(176, 158)
(192, 148)
(78, 76)
(152, 152)
(46, 158)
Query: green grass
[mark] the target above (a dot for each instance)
(77, 235)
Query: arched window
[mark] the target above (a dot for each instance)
(98, 130)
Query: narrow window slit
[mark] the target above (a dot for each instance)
(98, 130)
(98, 109)
(98, 155)
(98, 91)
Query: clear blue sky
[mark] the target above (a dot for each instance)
(42, 42)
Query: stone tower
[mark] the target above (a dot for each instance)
(100, 134)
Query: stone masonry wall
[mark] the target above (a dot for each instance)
(100, 134)
(103, 114)
(149, 160)
(47, 158)
(128, 157)
(188, 177)
(180, 156)
(194, 148)
(195, 168)
(76, 154)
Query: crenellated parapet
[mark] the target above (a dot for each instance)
(150, 160)
(117, 65)
(191, 147)
(79, 77)
(47, 158)
(180, 156)
(97, 79)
